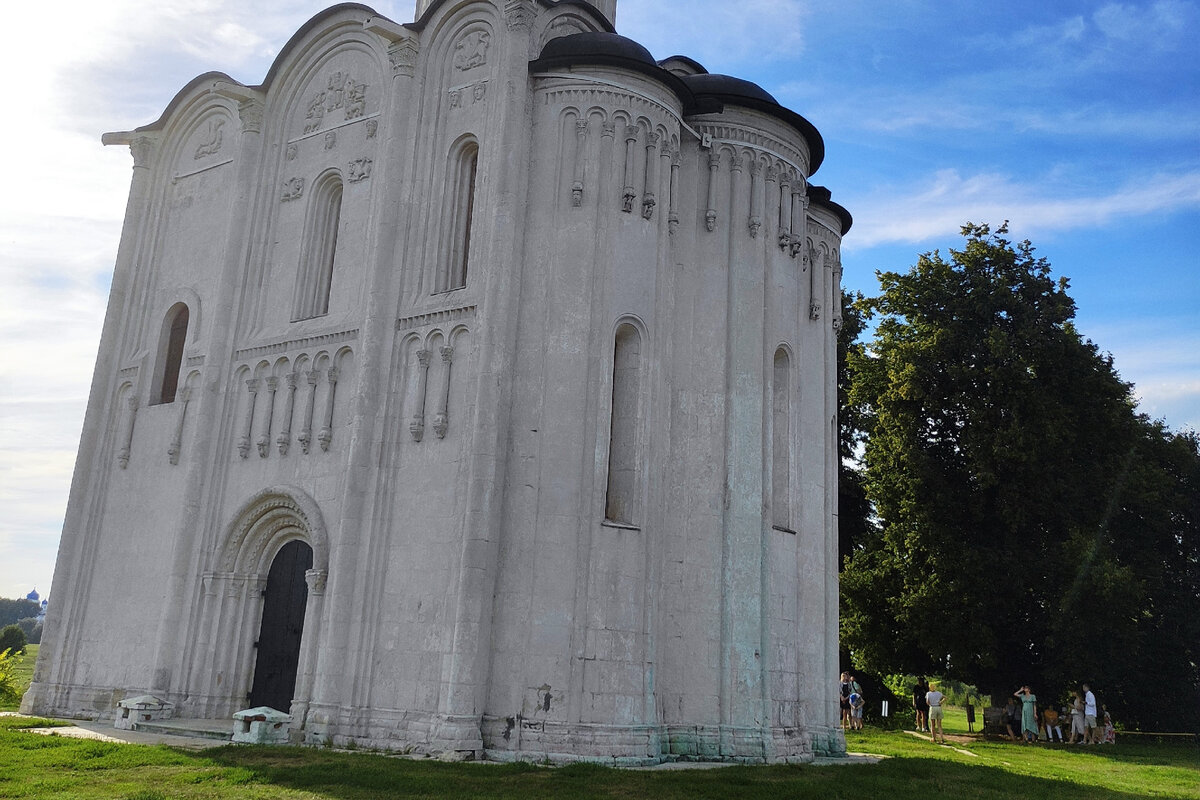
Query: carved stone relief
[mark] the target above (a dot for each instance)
(372, 128)
(341, 92)
(330, 140)
(468, 95)
(290, 153)
(293, 189)
(472, 50)
(359, 170)
(212, 139)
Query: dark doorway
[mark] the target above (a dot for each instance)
(282, 624)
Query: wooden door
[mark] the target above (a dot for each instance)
(282, 625)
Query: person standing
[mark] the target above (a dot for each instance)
(1077, 728)
(934, 698)
(1029, 726)
(844, 700)
(1091, 729)
(919, 703)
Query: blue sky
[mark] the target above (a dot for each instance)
(1077, 121)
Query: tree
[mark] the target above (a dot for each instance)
(1009, 470)
(854, 511)
(12, 638)
(12, 610)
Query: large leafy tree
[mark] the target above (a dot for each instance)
(1012, 480)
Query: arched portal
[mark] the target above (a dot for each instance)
(279, 634)
(262, 607)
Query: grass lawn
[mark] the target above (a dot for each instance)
(24, 676)
(36, 766)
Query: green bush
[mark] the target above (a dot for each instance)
(8, 677)
(13, 638)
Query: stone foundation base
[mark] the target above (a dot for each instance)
(496, 738)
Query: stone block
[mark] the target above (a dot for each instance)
(143, 708)
(261, 725)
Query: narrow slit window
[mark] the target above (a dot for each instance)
(781, 438)
(464, 166)
(620, 503)
(174, 337)
(320, 251)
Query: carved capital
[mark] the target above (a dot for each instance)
(423, 358)
(577, 194)
(316, 578)
(814, 311)
(331, 375)
(756, 167)
(312, 377)
(403, 56)
(755, 225)
(143, 149)
(581, 128)
(251, 112)
(290, 380)
(710, 220)
(738, 163)
(441, 424)
(627, 199)
(252, 385)
(447, 354)
(631, 133)
(417, 428)
(519, 15)
(714, 161)
(608, 128)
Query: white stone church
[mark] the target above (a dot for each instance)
(467, 386)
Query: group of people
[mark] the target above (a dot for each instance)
(852, 703)
(927, 703)
(1090, 722)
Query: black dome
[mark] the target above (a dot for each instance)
(727, 87)
(595, 47)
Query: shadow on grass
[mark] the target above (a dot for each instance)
(354, 776)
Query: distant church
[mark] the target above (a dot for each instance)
(468, 385)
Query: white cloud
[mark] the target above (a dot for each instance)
(938, 205)
(720, 35)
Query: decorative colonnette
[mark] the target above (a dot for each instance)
(644, 137)
(128, 403)
(424, 337)
(290, 387)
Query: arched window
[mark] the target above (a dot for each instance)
(620, 503)
(781, 439)
(170, 354)
(319, 249)
(460, 210)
